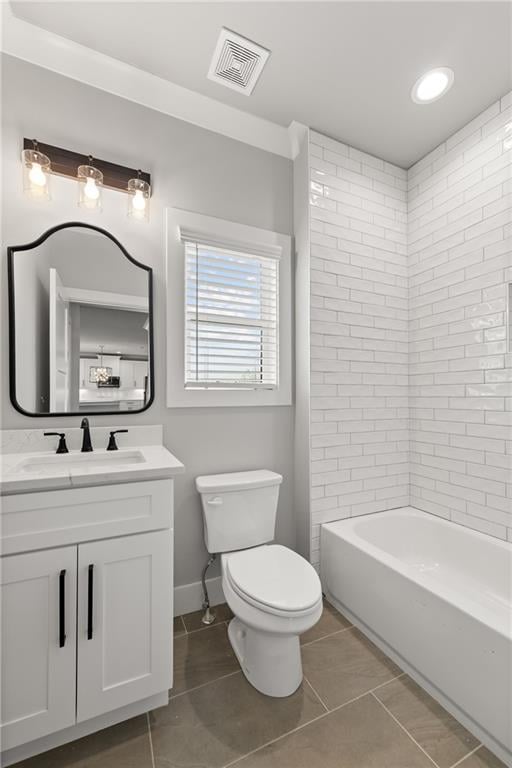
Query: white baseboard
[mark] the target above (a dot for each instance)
(189, 597)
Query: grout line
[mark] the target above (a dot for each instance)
(150, 741)
(404, 729)
(383, 685)
(322, 702)
(273, 741)
(361, 695)
(203, 685)
(466, 756)
(203, 629)
(298, 728)
(314, 720)
(330, 634)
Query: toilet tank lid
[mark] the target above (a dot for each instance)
(237, 481)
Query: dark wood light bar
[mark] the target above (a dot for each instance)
(65, 163)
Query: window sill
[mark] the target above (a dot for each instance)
(215, 398)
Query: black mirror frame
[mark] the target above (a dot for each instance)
(11, 250)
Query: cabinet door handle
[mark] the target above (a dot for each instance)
(90, 589)
(62, 608)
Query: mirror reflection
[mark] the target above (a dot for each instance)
(82, 325)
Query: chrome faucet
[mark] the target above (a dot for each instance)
(86, 441)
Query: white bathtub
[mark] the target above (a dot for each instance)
(437, 598)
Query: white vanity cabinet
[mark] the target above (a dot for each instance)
(123, 645)
(38, 598)
(86, 601)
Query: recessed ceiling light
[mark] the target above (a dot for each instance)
(432, 85)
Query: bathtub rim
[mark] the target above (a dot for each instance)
(449, 595)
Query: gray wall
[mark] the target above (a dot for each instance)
(192, 169)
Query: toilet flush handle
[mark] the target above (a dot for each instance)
(215, 502)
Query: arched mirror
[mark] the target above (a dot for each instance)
(80, 325)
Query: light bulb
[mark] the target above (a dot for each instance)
(139, 193)
(91, 189)
(37, 176)
(139, 201)
(36, 173)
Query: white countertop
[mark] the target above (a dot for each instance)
(46, 470)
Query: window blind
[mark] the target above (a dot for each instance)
(231, 324)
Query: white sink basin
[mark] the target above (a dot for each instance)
(45, 471)
(85, 461)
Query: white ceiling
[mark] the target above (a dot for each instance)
(119, 331)
(343, 68)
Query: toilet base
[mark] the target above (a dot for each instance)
(270, 662)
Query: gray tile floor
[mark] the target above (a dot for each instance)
(354, 709)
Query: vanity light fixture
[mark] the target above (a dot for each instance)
(432, 85)
(40, 161)
(90, 182)
(36, 172)
(139, 193)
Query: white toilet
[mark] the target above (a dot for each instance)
(274, 593)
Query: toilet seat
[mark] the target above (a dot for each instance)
(274, 579)
(275, 596)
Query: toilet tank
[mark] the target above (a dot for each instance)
(239, 509)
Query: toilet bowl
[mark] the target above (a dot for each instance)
(275, 595)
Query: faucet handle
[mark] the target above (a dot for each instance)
(112, 445)
(62, 447)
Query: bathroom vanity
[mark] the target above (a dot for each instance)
(86, 587)
(86, 536)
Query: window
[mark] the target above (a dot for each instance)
(232, 302)
(232, 343)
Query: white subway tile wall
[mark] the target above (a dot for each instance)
(460, 368)
(409, 287)
(359, 335)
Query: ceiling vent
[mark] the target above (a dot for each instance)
(237, 62)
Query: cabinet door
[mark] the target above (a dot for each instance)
(126, 374)
(124, 621)
(140, 368)
(38, 594)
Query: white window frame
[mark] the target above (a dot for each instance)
(239, 237)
